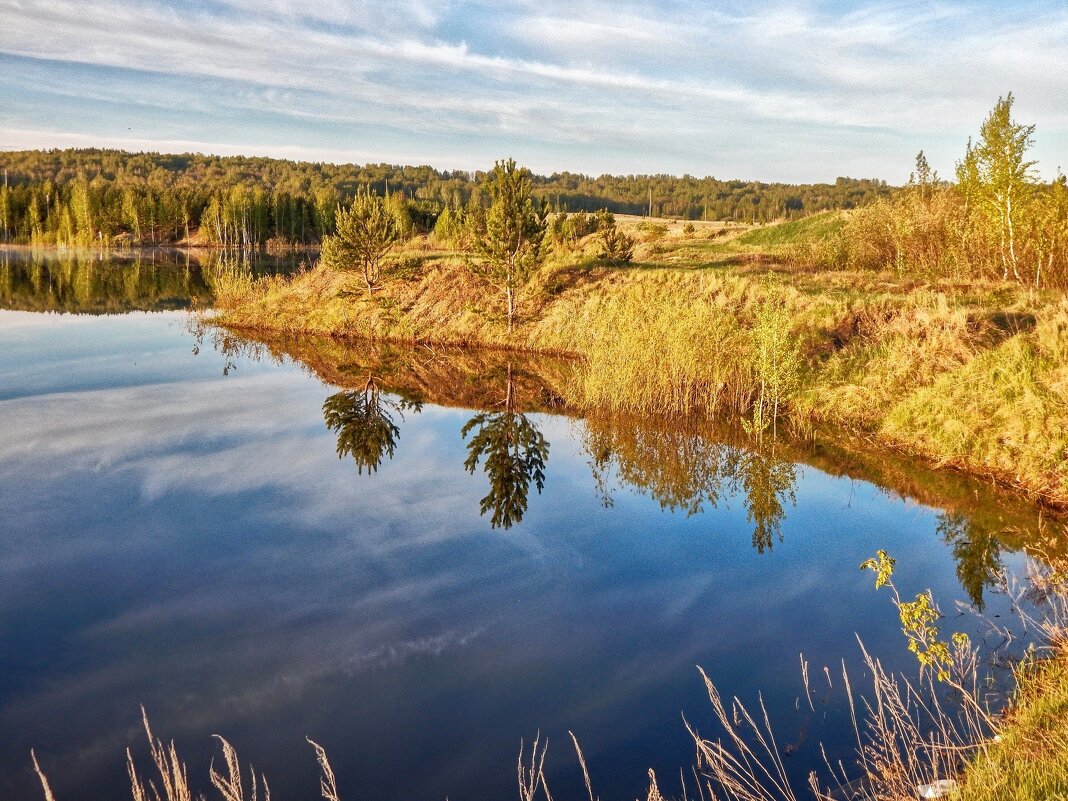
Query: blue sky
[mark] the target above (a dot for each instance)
(774, 91)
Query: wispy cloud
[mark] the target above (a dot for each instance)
(774, 90)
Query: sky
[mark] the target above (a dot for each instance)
(803, 91)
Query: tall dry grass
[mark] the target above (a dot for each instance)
(650, 346)
(935, 232)
(170, 779)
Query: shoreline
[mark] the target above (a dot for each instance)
(814, 435)
(916, 367)
(673, 337)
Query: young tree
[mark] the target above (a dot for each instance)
(449, 228)
(5, 210)
(365, 234)
(514, 229)
(616, 246)
(1004, 179)
(1049, 223)
(968, 182)
(924, 179)
(397, 205)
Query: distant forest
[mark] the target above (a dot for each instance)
(89, 196)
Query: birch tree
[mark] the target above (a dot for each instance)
(1001, 179)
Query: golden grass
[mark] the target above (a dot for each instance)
(972, 375)
(1004, 411)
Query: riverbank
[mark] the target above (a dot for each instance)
(1029, 761)
(966, 375)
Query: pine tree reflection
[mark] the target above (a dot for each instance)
(513, 453)
(365, 424)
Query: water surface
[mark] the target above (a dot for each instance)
(345, 543)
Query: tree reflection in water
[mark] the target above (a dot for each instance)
(365, 424)
(685, 469)
(768, 482)
(513, 452)
(685, 465)
(115, 282)
(976, 551)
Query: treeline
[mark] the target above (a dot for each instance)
(82, 197)
(996, 220)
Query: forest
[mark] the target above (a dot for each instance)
(93, 196)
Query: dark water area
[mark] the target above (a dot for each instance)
(415, 559)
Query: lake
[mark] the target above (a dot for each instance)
(414, 557)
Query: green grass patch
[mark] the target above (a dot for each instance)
(1030, 761)
(817, 227)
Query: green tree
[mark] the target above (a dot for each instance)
(81, 207)
(398, 206)
(923, 179)
(616, 246)
(1050, 224)
(366, 233)
(449, 228)
(131, 212)
(514, 229)
(326, 202)
(1002, 177)
(776, 362)
(34, 219)
(6, 213)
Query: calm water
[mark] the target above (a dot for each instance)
(177, 530)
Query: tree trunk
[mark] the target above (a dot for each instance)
(1012, 237)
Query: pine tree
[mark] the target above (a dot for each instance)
(365, 234)
(514, 229)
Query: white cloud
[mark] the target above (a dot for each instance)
(630, 82)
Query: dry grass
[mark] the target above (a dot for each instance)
(1004, 411)
(230, 784)
(46, 788)
(912, 734)
(171, 778)
(1030, 760)
(972, 375)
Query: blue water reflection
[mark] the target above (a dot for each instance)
(189, 540)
